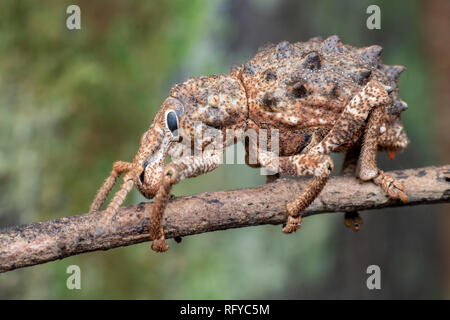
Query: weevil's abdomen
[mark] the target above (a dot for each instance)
(303, 87)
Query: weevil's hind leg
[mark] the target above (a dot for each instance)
(173, 173)
(368, 169)
(352, 219)
(344, 131)
(392, 187)
(119, 167)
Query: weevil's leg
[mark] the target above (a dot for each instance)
(119, 167)
(270, 177)
(367, 104)
(346, 130)
(307, 196)
(392, 187)
(298, 165)
(352, 219)
(173, 173)
(369, 169)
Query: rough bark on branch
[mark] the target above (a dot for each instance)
(37, 243)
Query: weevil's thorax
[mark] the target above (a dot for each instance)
(214, 103)
(196, 114)
(302, 88)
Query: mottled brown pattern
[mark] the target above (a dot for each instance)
(320, 95)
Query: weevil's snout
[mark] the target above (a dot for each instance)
(148, 180)
(155, 144)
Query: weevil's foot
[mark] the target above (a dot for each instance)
(160, 245)
(294, 221)
(293, 224)
(353, 220)
(392, 187)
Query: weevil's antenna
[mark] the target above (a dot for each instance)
(119, 167)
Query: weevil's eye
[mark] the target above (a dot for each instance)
(172, 121)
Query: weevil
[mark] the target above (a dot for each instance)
(320, 95)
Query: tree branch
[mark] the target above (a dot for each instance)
(41, 242)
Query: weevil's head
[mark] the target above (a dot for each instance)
(154, 146)
(194, 116)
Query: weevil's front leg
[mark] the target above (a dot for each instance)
(119, 167)
(173, 173)
(352, 219)
(368, 168)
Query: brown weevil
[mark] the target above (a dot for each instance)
(321, 95)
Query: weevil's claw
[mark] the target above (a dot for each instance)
(353, 220)
(392, 187)
(160, 245)
(294, 223)
(177, 239)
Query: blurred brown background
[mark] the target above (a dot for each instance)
(72, 102)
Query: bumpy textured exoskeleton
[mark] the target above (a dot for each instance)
(321, 96)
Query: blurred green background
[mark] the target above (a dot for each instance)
(72, 102)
